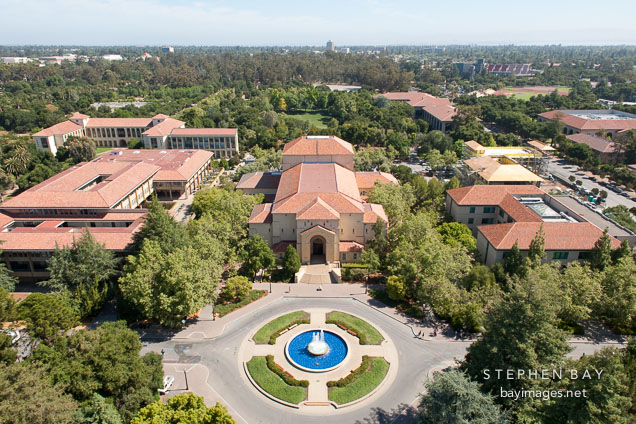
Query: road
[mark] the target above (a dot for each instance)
(565, 170)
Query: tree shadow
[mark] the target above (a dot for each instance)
(402, 414)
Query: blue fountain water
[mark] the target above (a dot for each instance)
(297, 350)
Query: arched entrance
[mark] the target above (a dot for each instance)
(317, 244)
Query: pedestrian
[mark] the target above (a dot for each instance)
(163, 351)
(435, 332)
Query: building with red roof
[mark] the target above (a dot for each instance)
(103, 196)
(610, 122)
(501, 215)
(606, 150)
(316, 203)
(437, 111)
(158, 132)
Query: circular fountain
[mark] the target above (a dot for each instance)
(316, 351)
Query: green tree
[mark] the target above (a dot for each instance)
(80, 149)
(27, 397)
(395, 288)
(397, 201)
(236, 288)
(371, 260)
(601, 254)
(8, 311)
(513, 263)
(479, 276)
(85, 271)
(183, 408)
(7, 282)
(97, 411)
(291, 262)
(8, 354)
(520, 333)
(451, 398)
(536, 251)
(47, 316)
(159, 226)
(168, 288)
(106, 361)
(135, 143)
(257, 255)
(458, 234)
(607, 399)
(618, 299)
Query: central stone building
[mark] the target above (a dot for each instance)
(317, 204)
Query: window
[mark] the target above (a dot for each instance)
(501, 213)
(471, 210)
(584, 255)
(355, 256)
(471, 220)
(486, 220)
(489, 209)
(344, 257)
(560, 255)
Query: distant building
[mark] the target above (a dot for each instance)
(517, 70)
(345, 50)
(339, 87)
(543, 148)
(167, 49)
(158, 132)
(112, 57)
(501, 171)
(606, 150)
(331, 46)
(14, 59)
(470, 69)
(437, 111)
(609, 122)
(526, 156)
(500, 216)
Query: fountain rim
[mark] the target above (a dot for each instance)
(313, 370)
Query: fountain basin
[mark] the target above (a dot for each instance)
(299, 354)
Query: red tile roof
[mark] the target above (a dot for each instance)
(318, 145)
(444, 113)
(372, 212)
(261, 214)
(281, 246)
(318, 209)
(259, 180)
(600, 144)
(489, 195)
(589, 124)
(558, 235)
(415, 98)
(350, 246)
(62, 190)
(204, 131)
(60, 129)
(518, 211)
(366, 180)
(78, 115)
(163, 128)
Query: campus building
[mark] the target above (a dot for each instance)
(526, 156)
(608, 122)
(500, 216)
(317, 205)
(437, 111)
(158, 132)
(105, 196)
(606, 150)
(495, 171)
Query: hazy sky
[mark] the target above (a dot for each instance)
(275, 22)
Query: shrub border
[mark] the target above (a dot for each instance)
(284, 375)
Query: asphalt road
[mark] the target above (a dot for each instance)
(565, 170)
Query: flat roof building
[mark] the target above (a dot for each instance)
(499, 216)
(609, 122)
(526, 156)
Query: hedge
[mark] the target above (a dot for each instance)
(279, 371)
(270, 331)
(363, 385)
(359, 328)
(353, 375)
(272, 383)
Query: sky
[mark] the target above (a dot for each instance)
(302, 23)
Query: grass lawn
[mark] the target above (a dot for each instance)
(363, 385)
(315, 118)
(365, 331)
(103, 149)
(226, 308)
(274, 327)
(273, 384)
